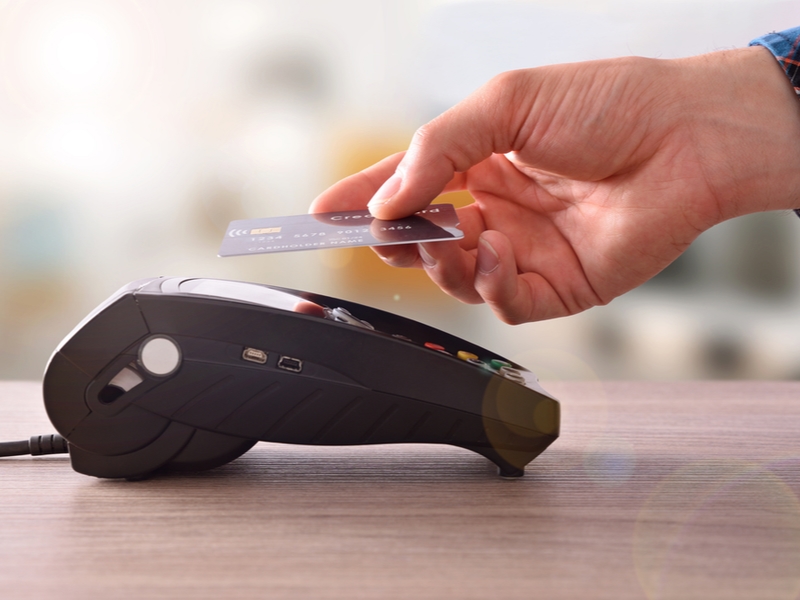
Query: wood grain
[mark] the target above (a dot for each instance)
(654, 490)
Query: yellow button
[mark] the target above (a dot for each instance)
(466, 355)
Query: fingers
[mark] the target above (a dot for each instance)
(451, 268)
(441, 151)
(496, 279)
(513, 298)
(353, 193)
(489, 274)
(404, 256)
(407, 255)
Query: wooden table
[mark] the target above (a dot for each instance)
(654, 490)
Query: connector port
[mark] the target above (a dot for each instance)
(254, 355)
(287, 363)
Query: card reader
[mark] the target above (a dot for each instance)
(177, 374)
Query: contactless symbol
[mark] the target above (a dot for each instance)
(238, 232)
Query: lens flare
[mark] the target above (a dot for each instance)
(719, 528)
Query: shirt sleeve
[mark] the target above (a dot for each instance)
(785, 46)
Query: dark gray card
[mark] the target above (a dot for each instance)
(438, 222)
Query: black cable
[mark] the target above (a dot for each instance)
(36, 446)
(14, 448)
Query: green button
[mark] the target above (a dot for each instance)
(499, 364)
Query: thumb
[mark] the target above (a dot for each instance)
(442, 150)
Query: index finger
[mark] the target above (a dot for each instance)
(353, 193)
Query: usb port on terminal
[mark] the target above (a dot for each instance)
(254, 355)
(287, 363)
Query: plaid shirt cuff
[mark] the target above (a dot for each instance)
(785, 45)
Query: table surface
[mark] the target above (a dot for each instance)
(654, 490)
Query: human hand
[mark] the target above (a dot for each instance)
(588, 178)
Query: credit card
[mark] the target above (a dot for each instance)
(345, 229)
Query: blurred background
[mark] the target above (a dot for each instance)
(132, 131)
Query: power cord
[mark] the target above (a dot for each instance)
(36, 446)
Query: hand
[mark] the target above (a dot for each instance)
(588, 178)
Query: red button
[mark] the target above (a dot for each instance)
(433, 346)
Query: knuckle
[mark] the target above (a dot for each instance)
(454, 284)
(511, 320)
(398, 259)
(508, 313)
(425, 134)
(505, 80)
(508, 303)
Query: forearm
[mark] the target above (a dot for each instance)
(745, 124)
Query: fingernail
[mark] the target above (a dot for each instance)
(426, 258)
(488, 260)
(389, 188)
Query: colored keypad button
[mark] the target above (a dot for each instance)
(433, 346)
(499, 364)
(477, 362)
(464, 355)
(512, 374)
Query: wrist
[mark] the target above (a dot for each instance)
(745, 123)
